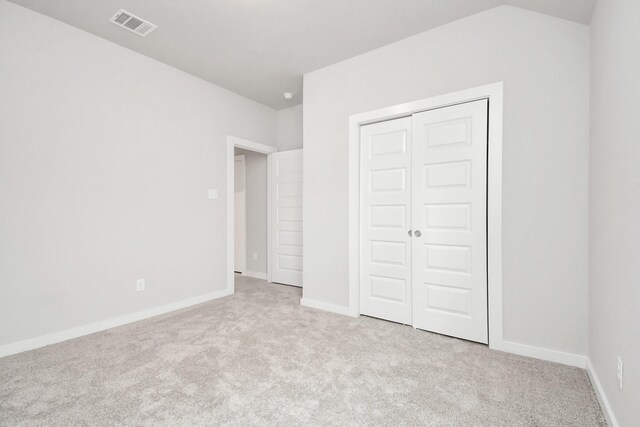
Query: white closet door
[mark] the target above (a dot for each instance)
(449, 170)
(385, 220)
(286, 217)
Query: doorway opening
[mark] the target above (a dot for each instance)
(264, 213)
(250, 213)
(247, 209)
(240, 212)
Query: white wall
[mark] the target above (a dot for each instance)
(615, 203)
(105, 161)
(289, 128)
(544, 63)
(256, 188)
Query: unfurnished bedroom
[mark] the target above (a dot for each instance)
(319, 213)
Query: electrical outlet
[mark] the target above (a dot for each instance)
(620, 371)
(255, 256)
(140, 285)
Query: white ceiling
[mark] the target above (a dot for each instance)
(261, 48)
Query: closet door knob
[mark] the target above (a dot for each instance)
(417, 233)
(409, 233)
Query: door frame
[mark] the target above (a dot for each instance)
(232, 143)
(494, 93)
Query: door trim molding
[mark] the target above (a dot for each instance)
(493, 92)
(232, 143)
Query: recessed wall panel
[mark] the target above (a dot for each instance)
(290, 201)
(387, 180)
(388, 216)
(388, 288)
(450, 132)
(291, 238)
(388, 143)
(388, 252)
(448, 175)
(289, 226)
(449, 298)
(452, 216)
(290, 262)
(289, 189)
(448, 258)
(289, 214)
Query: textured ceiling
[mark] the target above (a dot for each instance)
(261, 48)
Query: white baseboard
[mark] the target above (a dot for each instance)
(338, 309)
(602, 397)
(56, 337)
(571, 359)
(255, 275)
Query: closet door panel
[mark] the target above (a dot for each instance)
(449, 169)
(385, 219)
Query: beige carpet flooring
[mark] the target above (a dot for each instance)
(259, 358)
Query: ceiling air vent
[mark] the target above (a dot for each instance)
(131, 22)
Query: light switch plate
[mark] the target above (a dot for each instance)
(213, 194)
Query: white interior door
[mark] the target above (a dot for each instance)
(286, 217)
(449, 175)
(240, 213)
(385, 220)
(423, 224)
